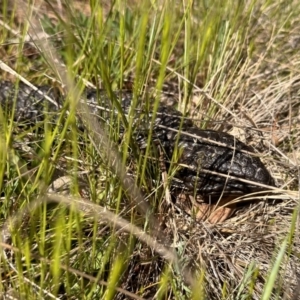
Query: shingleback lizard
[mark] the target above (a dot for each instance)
(202, 153)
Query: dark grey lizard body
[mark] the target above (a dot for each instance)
(196, 147)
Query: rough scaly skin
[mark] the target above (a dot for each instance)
(195, 147)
